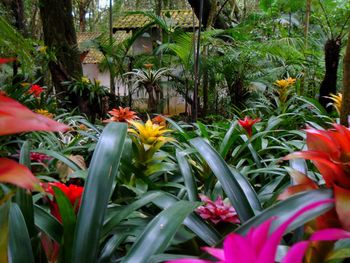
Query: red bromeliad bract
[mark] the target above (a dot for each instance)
(260, 244)
(122, 115)
(7, 60)
(247, 124)
(73, 193)
(15, 118)
(329, 150)
(35, 90)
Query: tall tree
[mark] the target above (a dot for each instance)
(60, 36)
(345, 107)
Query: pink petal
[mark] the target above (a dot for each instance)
(15, 118)
(216, 252)
(330, 234)
(189, 260)
(269, 250)
(257, 237)
(238, 249)
(17, 174)
(296, 253)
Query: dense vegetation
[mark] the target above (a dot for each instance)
(256, 168)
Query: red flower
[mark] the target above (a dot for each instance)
(7, 60)
(122, 115)
(217, 211)
(329, 150)
(15, 118)
(73, 193)
(35, 90)
(247, 124)
(160, 120)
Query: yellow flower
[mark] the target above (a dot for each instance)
(85, 80)
(337, 101)
(291, 81)
(149, 133)
(42, 49)
(285, 83)
(46, 113)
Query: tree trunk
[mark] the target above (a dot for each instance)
(60, 36)
(152, 105)
(82, 19)
(219, 22)
(329, 83)
(307, 21)
(345, 107)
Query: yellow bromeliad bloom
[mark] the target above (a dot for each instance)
(46, 113)
(85, 80)
(285, 83)
(149, 133)
(337, 101)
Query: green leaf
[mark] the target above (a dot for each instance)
(188, 176)
(230, 184)
(4, 230)
(287, 208)
(178, 128)
(198, 226)
(159, 232)
(102, 171)
(24, 198)
(20, 248)
(121, 213)
(111, 246)
(68, 222)
(228, 140)
(47, 224)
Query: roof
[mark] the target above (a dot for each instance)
(95, 56)
(180, 18)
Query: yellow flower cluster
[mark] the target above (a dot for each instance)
(46, 113)
(337, 101)
(285, 83)
(85, 80)
(150, 133)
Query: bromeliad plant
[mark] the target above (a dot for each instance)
(148, 139)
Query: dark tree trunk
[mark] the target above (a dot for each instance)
(236, 91)
(152, 102)
(345, 107)
(329, 83)
(82, 19)
(207, 6)
(60, 36)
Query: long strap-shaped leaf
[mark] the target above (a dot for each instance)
(102, 171)
(159, 232)
(288, 207)
(20, 248)
(23, 198)
(189, 178)
(236, 192)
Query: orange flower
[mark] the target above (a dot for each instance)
(35, 90)
(247, 124)
(329, 150)
(122, 115)
(159, 120)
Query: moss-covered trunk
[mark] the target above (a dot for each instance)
(60, 36)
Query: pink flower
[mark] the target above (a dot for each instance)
(39, 157)
(260, 244)
(217, 211)
(247, 124)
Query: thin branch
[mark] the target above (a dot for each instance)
(327, 19)
(220, 10)
(341, 35)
